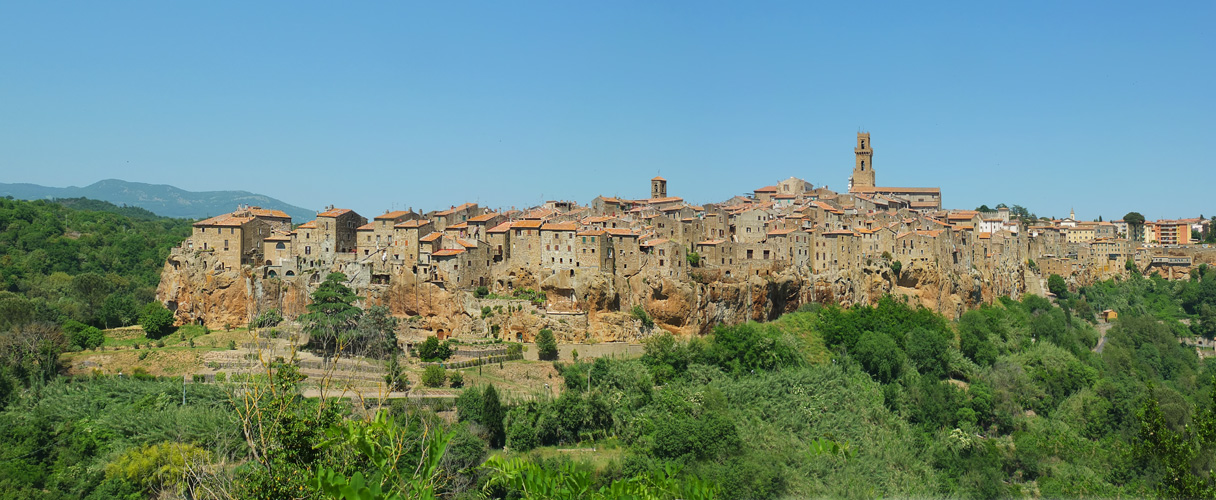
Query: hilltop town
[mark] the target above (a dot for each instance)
(586, 269)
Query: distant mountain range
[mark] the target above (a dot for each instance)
(161, 199)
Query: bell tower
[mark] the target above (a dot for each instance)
(658, 187)
(863, 168)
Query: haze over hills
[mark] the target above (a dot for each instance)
(162, 199)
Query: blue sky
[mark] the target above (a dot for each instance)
(1103, 106)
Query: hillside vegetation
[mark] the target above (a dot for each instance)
(1012, 400)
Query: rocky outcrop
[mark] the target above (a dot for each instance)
(588, 307)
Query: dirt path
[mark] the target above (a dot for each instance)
(1102, 328)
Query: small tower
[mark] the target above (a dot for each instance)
(658, 188)
(863, 169)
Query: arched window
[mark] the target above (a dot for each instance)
(863, 164)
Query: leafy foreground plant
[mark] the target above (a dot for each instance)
(385, 445)
(532, 480)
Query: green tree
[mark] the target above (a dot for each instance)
(546, 345)
(432, 349)
(331, 315)
(156, 320)
(375, 335)
(880, 356)
(492, 415)
(1057, 286)
(1135, 225)
(434, 376)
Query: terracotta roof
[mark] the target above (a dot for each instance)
(526, 224)
(448, 252)
(593, 220)
(501, 228)
(333, 212)
(453, 210)
(712, 242)
(278, 237)
(697, 208)
(658, 179)
(654, 242)
(840, 232)
(465, 244)
(767, 189)
(392, 215)
(431, 237)
(620, 231)
(559, 226)
(884, 189)
(595, 232)
(312, 224)
(225, 220)
(264, 212)
(484, 217)
(780, 232)
(412, 223)
(669, 199)
(462, 225)
(366, 227)
(985, 236)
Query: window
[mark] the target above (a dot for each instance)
(279, 246)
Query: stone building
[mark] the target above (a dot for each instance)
(337, 229)
(233, 239)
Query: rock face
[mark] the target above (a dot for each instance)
(585, 308)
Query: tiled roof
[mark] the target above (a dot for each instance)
(462, 225)
(392, 215)
(366, 227)
(265, 212)
(655, 242)
(712, 242)
(559, 226)
(840, 232)
(658, 179)
(453, 210)
(312, 224)
(225, 220)
(883, 189)
(501, 228)
(483, 217)
(767, 189)
(595, 232)
(431, 237)
(526, 224)
(410, 224)
(333, 212)
(620, 232)
(448, 252)
(780, 232)
(465, 244)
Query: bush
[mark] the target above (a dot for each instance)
(640, 314)
(481, 292)
(267, 319)
(156, 320)
(433, 350)
(456, 379)
(1057, 286)
(546, 345)
(434, 376)
(83, 336)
